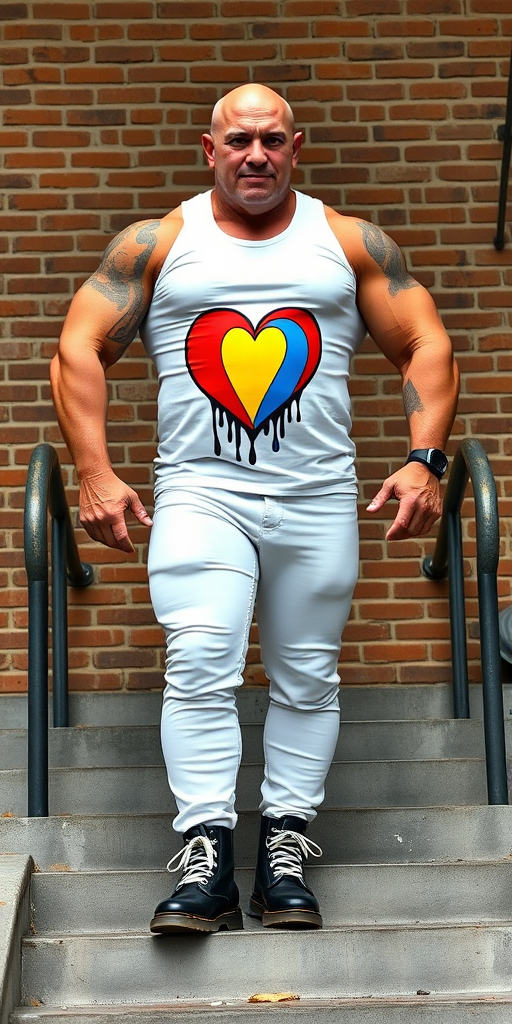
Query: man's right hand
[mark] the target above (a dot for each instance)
(104, 499)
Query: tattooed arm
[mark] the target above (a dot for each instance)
(103, 319)
(402, 319)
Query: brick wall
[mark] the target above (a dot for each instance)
(102, 107)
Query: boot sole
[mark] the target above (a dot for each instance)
(168, 924)
(285, 918)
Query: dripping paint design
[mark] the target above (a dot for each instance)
(253, 376)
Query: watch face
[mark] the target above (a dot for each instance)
(437, 459)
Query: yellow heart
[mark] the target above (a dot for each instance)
(252, 363)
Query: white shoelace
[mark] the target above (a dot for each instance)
(198, 860)
(286, 850)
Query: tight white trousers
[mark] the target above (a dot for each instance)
(212, 553)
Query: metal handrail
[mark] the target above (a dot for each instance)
(471, 462)
(45, 494)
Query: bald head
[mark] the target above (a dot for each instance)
(253, 148)
(247, 100)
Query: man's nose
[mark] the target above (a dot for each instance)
(256, 154)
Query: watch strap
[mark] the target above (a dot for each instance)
(433, 458)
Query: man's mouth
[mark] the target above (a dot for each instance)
(257, 177)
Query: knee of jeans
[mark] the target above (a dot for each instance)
(202, 663)
(305, 692)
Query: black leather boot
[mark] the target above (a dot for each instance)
(281, 897)
(206, 897)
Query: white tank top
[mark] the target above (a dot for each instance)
(252, 343)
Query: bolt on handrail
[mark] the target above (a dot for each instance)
(471, 462)
(45, 495)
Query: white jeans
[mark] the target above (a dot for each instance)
(212, 553)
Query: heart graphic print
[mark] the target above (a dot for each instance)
(253, 375)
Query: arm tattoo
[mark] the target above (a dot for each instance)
(119, 279)
(412, 400)
(386, 253)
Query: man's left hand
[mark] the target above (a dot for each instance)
(418, 493)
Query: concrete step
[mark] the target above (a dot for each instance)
(112, 746)
(144, 789)
(332, 963)
(353, 836)
(429, 1009)
(358, 703)
(352, 894)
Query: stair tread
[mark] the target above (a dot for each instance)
(399, 1006)
(333, 962)
(355, 835)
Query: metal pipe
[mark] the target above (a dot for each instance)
(458, 618)
(494, 726)
(59, 625)
(37, 776)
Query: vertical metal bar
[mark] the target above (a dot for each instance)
(494, 726)
(37, 779)
(59, 624)
(458, 617)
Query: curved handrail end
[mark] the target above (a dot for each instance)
(430, 572)
(85, 579)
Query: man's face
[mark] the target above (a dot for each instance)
(252, 149)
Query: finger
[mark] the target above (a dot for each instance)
(380, 498)
(112, 535)
(120, 537)
(140, 512)
(417, 526)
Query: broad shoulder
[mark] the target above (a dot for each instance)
(142, 246)
(350, 233)
(167, 232)
(368, 248)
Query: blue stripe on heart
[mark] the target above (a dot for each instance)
(290, 371)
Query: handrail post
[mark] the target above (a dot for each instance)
(37, 775)
(59, 625)
(458, 617)
(45, 495)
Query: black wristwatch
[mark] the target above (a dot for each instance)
(433, 458)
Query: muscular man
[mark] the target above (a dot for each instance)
(251, 300)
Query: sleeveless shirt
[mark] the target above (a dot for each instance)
(252, 343)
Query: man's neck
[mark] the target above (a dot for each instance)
(254, 227)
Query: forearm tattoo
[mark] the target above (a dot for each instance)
(119, 279)
(412, 400)
(386, 253)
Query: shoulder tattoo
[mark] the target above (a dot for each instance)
(412, 400)
(387, 254)
(119, 279)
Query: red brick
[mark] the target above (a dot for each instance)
(32, 31)
(419, 111)
(123, 54)
(93, 75)
(374, 51)
(405, 27)
(357, 8)
(119, 11)
(191, 9)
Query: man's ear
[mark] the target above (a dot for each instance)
(209, 148)
(298, 139)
